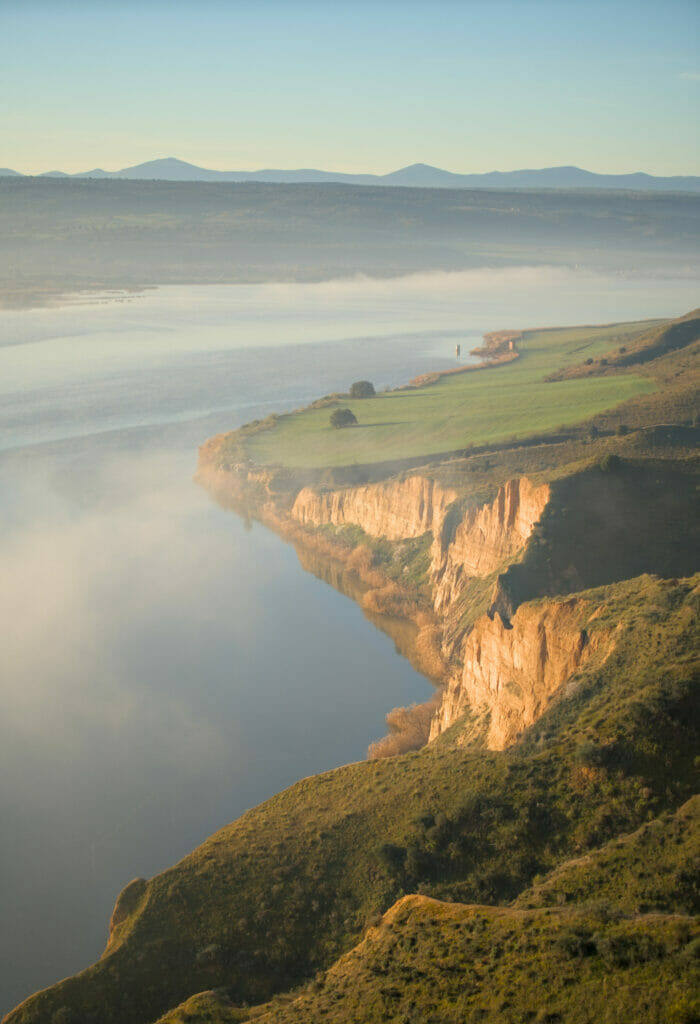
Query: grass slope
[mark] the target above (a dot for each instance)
(430, 962)
(620, 943)
(281, 893)
(472, 408)
(656, 868)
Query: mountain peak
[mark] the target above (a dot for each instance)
(417, 175)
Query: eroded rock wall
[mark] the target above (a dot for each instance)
(396, 509)
(486, 538)
(505, 672)
(510, 673)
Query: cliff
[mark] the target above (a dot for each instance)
(396, 509)
(507, 675)
(503, 672)
(488, 592)
(485, 538)
(510, 674)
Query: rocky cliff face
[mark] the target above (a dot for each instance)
(485, 539)
(505, 673)
(396, 509)
(511, 673)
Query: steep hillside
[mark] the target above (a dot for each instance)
(621, 941)
(655, 869)
(428, 961)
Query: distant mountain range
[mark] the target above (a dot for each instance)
(416, 176)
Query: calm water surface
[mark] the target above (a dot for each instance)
(163, 667)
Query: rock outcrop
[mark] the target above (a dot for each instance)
(396, 509)
(505, 672)
(486, 538)
(511, 673)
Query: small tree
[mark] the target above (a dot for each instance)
(343, 418)
(610, 463)
(362, 389)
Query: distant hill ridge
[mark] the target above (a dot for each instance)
(417, 176)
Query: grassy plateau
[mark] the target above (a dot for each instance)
(513, 400)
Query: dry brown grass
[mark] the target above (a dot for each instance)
(409, 729)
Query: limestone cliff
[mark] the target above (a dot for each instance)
(395, 509)
(503, 672)
(510, 673)
(485, 538)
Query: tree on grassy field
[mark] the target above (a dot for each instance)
(343, 418)
(362, 389)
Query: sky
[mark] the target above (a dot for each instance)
(351, 86)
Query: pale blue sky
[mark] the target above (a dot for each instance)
(351, 86)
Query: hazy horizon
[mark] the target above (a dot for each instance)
(289, 85)
(343, 172)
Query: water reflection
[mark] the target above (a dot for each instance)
(163, 668)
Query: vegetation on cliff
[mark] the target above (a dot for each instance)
(553, 880)
(428, 961)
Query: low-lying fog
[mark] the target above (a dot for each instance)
(164, 666)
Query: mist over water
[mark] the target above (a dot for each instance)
(164, 666)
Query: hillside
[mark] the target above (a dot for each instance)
(428, 960)
(62, 234)
(525, 847)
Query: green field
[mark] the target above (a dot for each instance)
(486, 406)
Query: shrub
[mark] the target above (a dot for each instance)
(685, 1010)
(62, 1016)
(343, 418)
(610, 463)
(362, 389)
(588, 753)
(393, 855)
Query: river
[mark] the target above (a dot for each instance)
(165, 665)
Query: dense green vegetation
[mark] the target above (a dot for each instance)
(430, 962)
(655, 869)
(610, 950)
